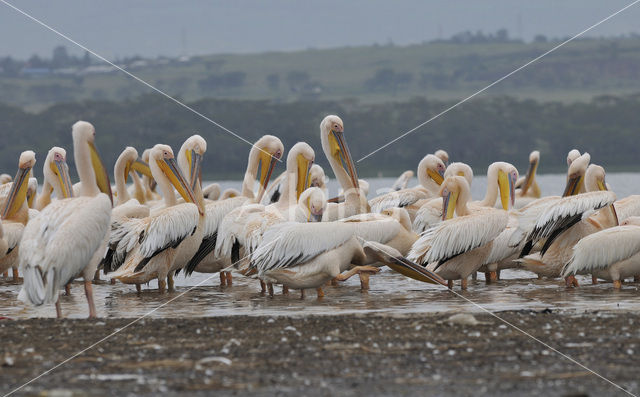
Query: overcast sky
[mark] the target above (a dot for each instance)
(118, 28)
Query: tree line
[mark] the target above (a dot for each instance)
(478, 132)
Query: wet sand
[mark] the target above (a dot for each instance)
(410, 354)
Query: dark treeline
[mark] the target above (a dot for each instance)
(477, 132)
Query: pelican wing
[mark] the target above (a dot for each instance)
(12, 234)
(400, 199)
(567, 212)
(289, 244)
(428, 216)
(273, 192)
(602, 249)
(374, 227)
(458, 235)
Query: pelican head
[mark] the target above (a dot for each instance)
(85, 134)
(164, 163)
(572, 155)
(313, 203)
(316, 176)
(211, 192)
(190, 159)
(455, 192)
(431, 167)
(18, 192)
(459, 169)
(577, 170)
(300, 158)
(442, 155)
(506, 175)
(399, 214)
(594, 178)
(56, 171)
(335, 145)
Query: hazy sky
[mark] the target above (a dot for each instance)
(117, 28)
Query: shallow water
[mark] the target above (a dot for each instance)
(390, 292)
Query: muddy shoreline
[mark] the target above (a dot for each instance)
(412, 354)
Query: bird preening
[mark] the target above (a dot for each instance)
(284, 229)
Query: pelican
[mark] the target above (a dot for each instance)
(527, 188)
(457, 247)
(442, 155)
(402, 181)
(335, 148)
(569, 219)
(318, 179)
(262, 159)
(230, 193)
(64, 241)
(147, 247)
(15, 213)
(127, 206)
(611, 254)
(430, 175)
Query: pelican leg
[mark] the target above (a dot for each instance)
(539, 276)
(96, 276)
(463, 284)
(320, 292)
(450, 284)
(636, 279)
(270, 288)
(474, 276)
(368, 270)
(364, 281)
(223, 279)
(285, 290)
(113, 281)
(88, 291)
(263, 287)
(170, 283)
(571, 281)
(498, 274)
(58, 308)
(161, 285)
(5, 274)
(617, 284)
(138, 288)
(15, 273)
(67, 289)
(229, 277)
(594, 280)
(334, 282)
(301, 294)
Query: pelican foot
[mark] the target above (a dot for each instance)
(15, 274)
(617, 284)
(636, 279)
(570, 281)
(450, 284)
(170, 283)
(301, 294)
(594, 280)
(270, 288)
(67, 289)
(58, 308)
(320, 292)
(463, 283)
(229, 277)
(285, 290)
(113, 281)
(263, 287)
(162, 285)
(138, 288)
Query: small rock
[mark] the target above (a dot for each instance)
(463, 319)
(8, 361)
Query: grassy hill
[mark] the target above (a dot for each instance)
(373, 74)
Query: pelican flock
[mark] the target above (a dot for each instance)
(159, 221)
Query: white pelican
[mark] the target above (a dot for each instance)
(318, 179)
(230, 193)
(335, 148)
(611, 254)
(56, 178)
(263, 157)
(430, 175)
(15, 213)
(402, 181)
(457, 247)
(147, 247)
(63, 242)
